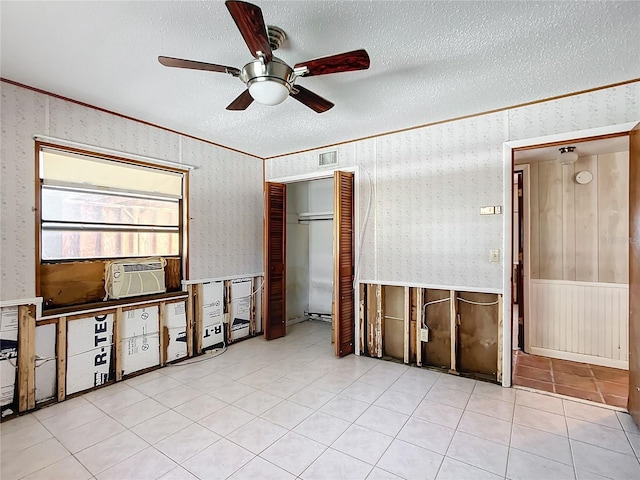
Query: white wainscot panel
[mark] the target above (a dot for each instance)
(580, 321)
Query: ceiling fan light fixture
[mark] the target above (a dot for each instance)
(269, 91)
(567, 155)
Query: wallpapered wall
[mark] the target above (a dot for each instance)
(225, 231)
(427, 186)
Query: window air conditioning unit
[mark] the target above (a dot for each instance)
(129, 278)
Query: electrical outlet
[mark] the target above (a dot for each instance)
(494, 255)
(424, 334)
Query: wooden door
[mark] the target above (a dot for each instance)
(343, 293)
(275, 322)
(520, 268)
(634, 274)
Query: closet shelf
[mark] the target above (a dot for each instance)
(307, 216)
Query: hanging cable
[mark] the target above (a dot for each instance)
(251, 294)
(478, 303)
(424, 309)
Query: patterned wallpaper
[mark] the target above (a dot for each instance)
(22, 116)
(225, 188)
(427, 186)
(225, 213)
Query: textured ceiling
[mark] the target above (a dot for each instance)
(430, 61)
(583, 149)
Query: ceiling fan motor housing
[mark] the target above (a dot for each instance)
(276, 70)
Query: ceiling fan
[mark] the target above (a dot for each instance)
(270, 80)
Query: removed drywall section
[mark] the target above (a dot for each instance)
(436, 317)
(393, 336)
(8, 354)
(452, 331)
(478, 315)
(45, 363)
(89, 352)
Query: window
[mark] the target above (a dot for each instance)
(94, 208)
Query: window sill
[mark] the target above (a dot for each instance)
(111, 304)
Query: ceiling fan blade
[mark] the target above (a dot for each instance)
(342, 62)
(192, 64)
(250, 22)
(313, 101)
(241, 102)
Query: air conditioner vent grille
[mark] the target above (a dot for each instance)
(141, 267)
(328, 158)
(132, 277)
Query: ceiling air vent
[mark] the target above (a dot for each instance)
(327, 159)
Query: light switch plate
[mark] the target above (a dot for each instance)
(494, 255)
(487, 210)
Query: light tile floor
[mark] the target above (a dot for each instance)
(289, 409)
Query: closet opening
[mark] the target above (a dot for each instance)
(309, 256)
(309, 251)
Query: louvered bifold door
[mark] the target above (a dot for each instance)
(634, 275)
(343, 293)
(274, 257)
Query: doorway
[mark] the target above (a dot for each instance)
(309, 256)
(571, 227)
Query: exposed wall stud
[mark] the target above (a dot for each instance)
(117, 341)
(379, 323)
(26, 357)
(198, 319)
(454, 328)
(500, 338)
(407, 321)
(252, 307)
(419, 314)
(190, 321)
(362, 317)
(61, 357)
(163, 331)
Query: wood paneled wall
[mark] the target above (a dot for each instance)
(581, 232)
(580, 321)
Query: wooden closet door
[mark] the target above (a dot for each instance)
(634, 274)
(275, 283)
(343, 294)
